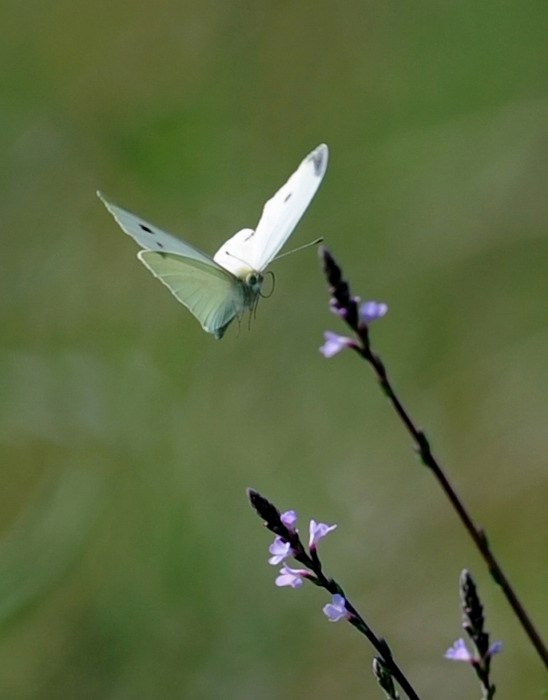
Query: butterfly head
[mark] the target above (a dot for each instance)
(254, 280)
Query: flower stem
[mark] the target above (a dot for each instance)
(272, 520)
(347, 306)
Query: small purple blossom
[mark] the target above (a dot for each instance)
(280, 550)
(336, 309)
(334, 343)
(459, 652)
(336, 609)
(371, 311)
(289, 518)
(317, 531)
(291, 577)
(342, 311)
(495, 648)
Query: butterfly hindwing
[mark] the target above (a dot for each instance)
(212, 295)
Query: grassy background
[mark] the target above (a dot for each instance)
(131, 566)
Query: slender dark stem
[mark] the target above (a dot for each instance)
(271, 517)
(384, 652)
(357, 621)
(346, 307)
(422, 446)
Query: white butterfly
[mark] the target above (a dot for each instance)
(217, 290)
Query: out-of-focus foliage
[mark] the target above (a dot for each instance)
(130, 564)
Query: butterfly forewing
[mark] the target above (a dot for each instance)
(282, 213)
(151, 237)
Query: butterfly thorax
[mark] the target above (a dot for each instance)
(236, 255)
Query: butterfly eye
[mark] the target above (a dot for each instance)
(254, 280)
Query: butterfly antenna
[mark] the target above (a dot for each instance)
(302, 247)
(267, 296)
(236, 258)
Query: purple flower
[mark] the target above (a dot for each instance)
(495, 648)
(334, 343)
(289, 518)
(317, 531)
(371, 311)
(336, 609)
(342, 311)
(280, 549)
(459, 652)
(291, 577)
(336, 309)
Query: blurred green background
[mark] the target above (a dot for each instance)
(131, 566)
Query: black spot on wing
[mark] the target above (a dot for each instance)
(288, 197)
(146, 228)
(318, 158)
(160, 245)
